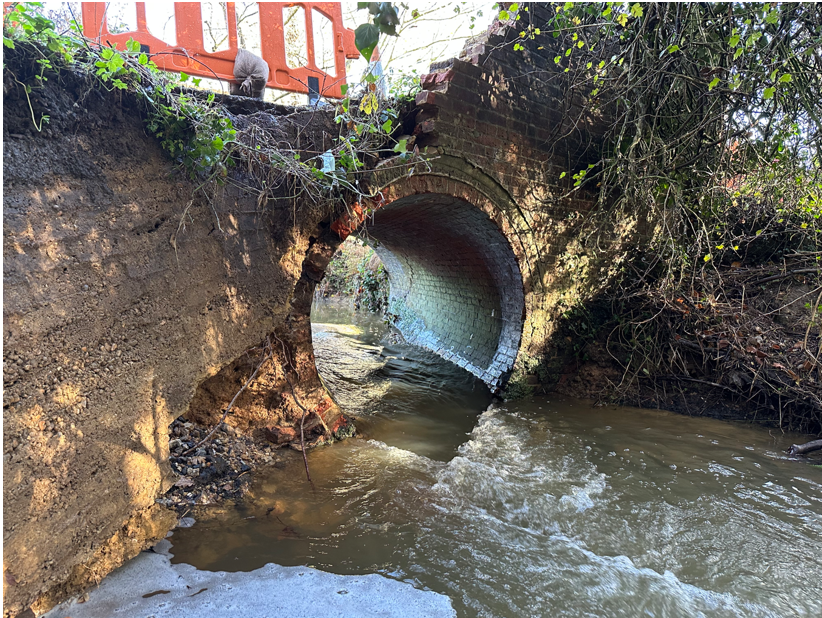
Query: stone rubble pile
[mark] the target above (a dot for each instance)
(217, 470)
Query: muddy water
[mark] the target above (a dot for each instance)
(550, 507)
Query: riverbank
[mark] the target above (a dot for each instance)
(543, 494)
(737, 343)
(213, 465)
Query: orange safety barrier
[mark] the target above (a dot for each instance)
(190, 56)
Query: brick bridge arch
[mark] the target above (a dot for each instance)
(455, 248)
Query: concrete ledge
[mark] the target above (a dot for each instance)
(150, 585)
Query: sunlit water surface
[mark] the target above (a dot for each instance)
(550, 507)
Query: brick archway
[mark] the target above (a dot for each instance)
(458, 265)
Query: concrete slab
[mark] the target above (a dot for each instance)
(150, 586)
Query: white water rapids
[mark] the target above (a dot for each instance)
(548, 507)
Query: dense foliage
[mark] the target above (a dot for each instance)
(712, 112)
(710, 172)
(356, 272)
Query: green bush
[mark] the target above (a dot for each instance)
(356, 271)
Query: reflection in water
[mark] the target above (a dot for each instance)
(547, 508)
(403, 395)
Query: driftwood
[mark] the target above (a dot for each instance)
(801, 449)
(790, 273)
(252, 74)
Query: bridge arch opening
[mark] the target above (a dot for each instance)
(455, 282)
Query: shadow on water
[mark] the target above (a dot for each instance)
(550, 507)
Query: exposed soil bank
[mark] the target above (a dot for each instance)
(121, 296)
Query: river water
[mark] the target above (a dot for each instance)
(546, 507)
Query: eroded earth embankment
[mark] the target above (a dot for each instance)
(123, 292)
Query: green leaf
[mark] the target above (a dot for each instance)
(563, 174)
(143, 59)
(739, 52)
(514, 8)
(769, 92)
(344, 89)
(183, 76)
(504, 16)
(217, 142)
(733, 41)
(707, 258)
(366, 37)
(386, 126)
(714, 83)
(622, 19)
(636, 10)
(402, 146)
(8, 42)
(786, 78)
(673, 48)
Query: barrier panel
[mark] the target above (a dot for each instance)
(189, 54)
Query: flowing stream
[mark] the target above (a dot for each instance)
(546, 507)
